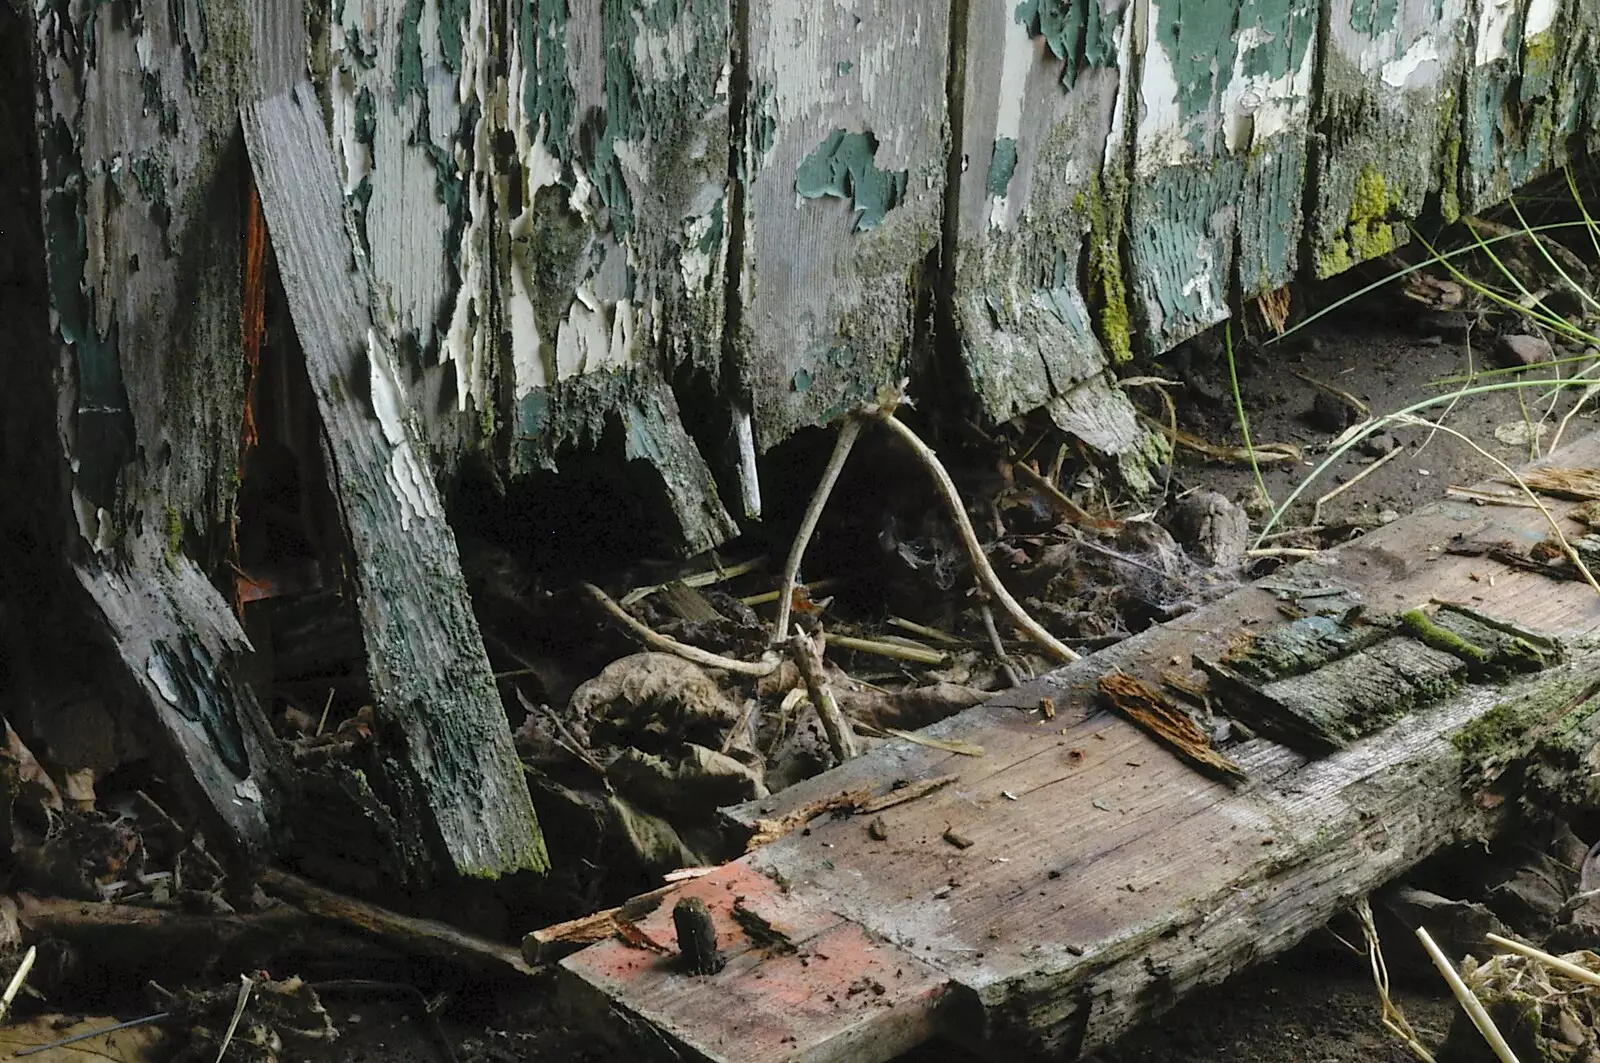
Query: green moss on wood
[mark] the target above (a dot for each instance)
(1419, 626)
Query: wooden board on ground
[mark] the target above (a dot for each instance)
(451, 766)
(1098, 878)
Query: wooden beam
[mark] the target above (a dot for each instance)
(1102, 878)
(449, 765)
(182, 648)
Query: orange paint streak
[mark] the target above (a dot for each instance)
(255, 305)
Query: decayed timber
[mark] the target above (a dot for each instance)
(1219, 161)
(1388, 124)
(448, 763)
(1104, 877)
(140, 196)
(182, 648)
(844, 154)
(1038, 95)
(1529, 92)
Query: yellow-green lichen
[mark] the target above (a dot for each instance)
(1108, 288)
(1369, 231)
(174, 533)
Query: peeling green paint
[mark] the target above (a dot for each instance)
(1284, 30)
(1372, 17)
(548, 94)
(408, 76)
(1075, 32)
(1200, 39)
(452, 14)
(843, 167)
(1002, 164)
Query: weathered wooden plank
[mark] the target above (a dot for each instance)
(1105, 878)
(1388, 123)
(1220, 157)
(1036, 214)
(142, 187)
(182, 649)
(811, 986)
(845, 143)
(616, 235)
(451, 768)
(1529, 87)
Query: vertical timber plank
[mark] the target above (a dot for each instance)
(1220, 157)
(450, 765)
(1529, 89)
(398, 78)
(846, 145)
(141, 182)
(614, 235)
(142, 185)
(1388, 124)
(1037, 290)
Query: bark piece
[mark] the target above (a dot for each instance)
(450, 766)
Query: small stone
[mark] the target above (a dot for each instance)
(877, 830)
(1379, 444)
(1523, 350)
(1332, 413)
(1387, 516)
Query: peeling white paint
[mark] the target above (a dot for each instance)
(1540, 17)
(465, 342)
(1420, 63)
(412, 486)
(694, 264)
(1256, 107)
(749, 477)
(1160, 138)
(388, 397)
(1494, 26)
(428, 34)
(144, 48)
(1126, 33)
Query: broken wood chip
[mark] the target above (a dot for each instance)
(630, 934)
(1158, 716)
(909, 792)
(957, 839)
(1580, 485)
(948, 745)
(770, 830)
(759, 929)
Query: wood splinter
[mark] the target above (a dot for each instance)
(697, 937)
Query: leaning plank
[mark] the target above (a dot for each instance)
(181, 647)
(1101, 878)
(450, 765)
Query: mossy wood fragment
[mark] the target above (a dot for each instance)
(1388, 132)
(1320, 683)
(446, 759)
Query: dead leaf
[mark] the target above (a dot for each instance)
(139, 1044)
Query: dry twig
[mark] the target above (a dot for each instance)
(658, 641)
(808, 524)
(808, 658)
(969, 538)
